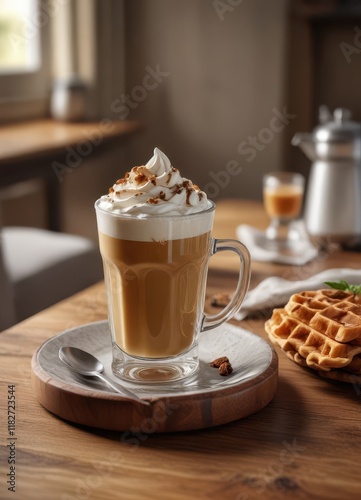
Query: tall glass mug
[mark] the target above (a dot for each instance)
(155, 271)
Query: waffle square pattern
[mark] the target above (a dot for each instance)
(321, 330)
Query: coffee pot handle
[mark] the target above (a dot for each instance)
(214, 320)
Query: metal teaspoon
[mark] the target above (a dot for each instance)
(86, 364)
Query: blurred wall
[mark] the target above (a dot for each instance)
(84, 185)
(324, 69)
(219, 85)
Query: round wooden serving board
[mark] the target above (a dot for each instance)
(204, 400)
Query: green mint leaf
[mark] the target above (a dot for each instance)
(355, 289)
(343, 285)
(339, 285)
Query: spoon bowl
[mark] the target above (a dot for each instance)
(87, 365)
(81, 361)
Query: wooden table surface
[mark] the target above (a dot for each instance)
(305, 444)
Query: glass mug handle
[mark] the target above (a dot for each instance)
(214, 320)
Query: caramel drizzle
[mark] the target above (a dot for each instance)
(153, 201)
(141, 178)
(190, 188)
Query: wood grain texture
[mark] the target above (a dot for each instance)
(305, 444)
(27, 140)
(208, 399)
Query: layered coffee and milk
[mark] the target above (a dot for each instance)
(155, 243)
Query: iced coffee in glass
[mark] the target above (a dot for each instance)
(282, 197)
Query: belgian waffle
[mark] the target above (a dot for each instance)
(333, 374)
(319, 351)
(335, 313)
(321, 330)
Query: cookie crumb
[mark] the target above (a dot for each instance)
(220, 300)
(225, 369)
(216, 363)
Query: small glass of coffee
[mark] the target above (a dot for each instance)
(282, 197)
(155, 270)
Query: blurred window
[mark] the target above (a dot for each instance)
(24, 57)
(19, 36)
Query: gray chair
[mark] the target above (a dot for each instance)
(39, 268)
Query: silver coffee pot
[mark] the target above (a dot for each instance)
(333, 198)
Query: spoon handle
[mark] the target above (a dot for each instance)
(122, 390)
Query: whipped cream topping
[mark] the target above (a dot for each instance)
(153, 189)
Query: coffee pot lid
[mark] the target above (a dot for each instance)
(337, 127)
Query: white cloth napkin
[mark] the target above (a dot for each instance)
(254, 239)
(275, 292)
